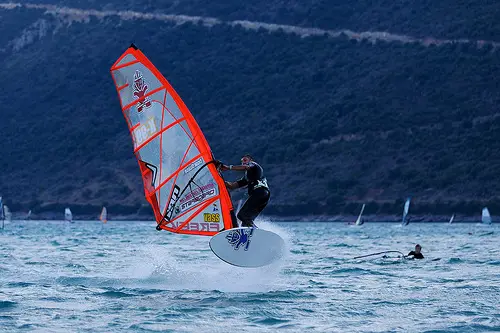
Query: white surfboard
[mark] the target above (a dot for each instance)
(247, 247)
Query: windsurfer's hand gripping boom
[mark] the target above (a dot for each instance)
(231, 185)
(222, 167)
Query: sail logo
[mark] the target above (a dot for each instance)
(240, 238)
(193, 165)
(172, 201)
(140, 91)
(197, 195)
(211, 217)
(261, 183)
(145, 131)
(196, 226)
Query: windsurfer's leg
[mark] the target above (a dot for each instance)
(264, 196)
(246, 213)
(253, 206)
(234, 221)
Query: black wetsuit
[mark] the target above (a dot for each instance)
(258, 194)
(416, 255)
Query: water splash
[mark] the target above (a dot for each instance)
(164, 267)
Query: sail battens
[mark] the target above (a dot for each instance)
(125, 65)
(142, 98)
(123, 87)
(157, 135)
(134, 127)
(175, 174)
(182, 164)
(201, 208)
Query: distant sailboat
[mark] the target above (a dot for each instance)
(68, 216)
(360, 221)
(451, 219)
(104, 215)
(7, 214)
(2, 217)
(486, 217)
(406, 209)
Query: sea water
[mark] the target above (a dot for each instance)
(127, 277)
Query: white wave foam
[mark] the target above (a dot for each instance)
(168, 266)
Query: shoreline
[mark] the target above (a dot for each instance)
(46, 216)
(378, 218)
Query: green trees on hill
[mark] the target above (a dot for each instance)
(334, 122)
(443, 19)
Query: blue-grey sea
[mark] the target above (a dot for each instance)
(128, 277)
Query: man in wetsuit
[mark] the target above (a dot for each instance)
(416, 254)
(258, 191)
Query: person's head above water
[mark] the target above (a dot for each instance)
(418, 248)
(246, 159)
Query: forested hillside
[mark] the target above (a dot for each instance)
(334, 121)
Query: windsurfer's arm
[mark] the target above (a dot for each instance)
(221, 166)
(237, 184)
(238, 167)
(224, 167)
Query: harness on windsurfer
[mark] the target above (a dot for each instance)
(258, 190)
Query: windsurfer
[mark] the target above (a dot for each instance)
(258, 190)
(416, 254)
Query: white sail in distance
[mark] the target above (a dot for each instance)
(360, 221)
(7, 214)
(68, 216)
(104, 215)
(406, 209)
(486, 217)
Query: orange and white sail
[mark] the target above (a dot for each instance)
(104, 215)
(181, 182)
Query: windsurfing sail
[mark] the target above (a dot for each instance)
(1, 213)
(7, 214)
(486, 217)
(360, 221)
(181, 181)
(28, 215)
(68, 216)
(451, 219)
(104, 215)
(406, 209)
